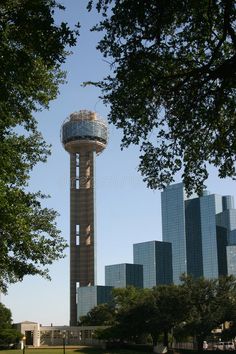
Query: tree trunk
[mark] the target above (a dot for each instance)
(199, 343)
(154, 339)
(165, 339)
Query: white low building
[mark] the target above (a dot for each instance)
(37, 335)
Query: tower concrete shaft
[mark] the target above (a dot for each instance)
(82, 225)
(84, 135)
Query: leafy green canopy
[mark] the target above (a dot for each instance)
(5, 317)
(8, 335)
(211, 302)
(100, 315)
(32, 48)
(194, 308)
(172, 89)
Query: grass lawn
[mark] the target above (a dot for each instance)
(82, 350)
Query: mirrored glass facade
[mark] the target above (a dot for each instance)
(173, 227)
(231, 260)
(199, 230)
(123, 275)
(84, 130)
(221, 234)
(156, 258)
(227, 219)
(209, 206)
(91, 296)
(226, 234)
(232, 237)
(193, 237)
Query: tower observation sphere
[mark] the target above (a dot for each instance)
(84, 135)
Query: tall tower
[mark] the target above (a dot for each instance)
(83, 135)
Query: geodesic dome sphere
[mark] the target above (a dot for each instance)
(84, 130)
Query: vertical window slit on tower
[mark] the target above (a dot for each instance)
(77, 286)
(77, 160)
(77, 167)
(77, 235)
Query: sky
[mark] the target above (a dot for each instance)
(127, 211)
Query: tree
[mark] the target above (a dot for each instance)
(133, 310)
(172, 87)
(8, 335)
(157, 311)
(171, 309)
(143, 312)
(100, 315)
(127, 297)
(128, 321)
(211, 303)
(193, 308)
(5, 317)
(32, 49)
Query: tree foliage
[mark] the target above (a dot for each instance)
(171, 308)
(5, 317)
(32, 48)
(142, 313)
(101, 315)
(211, 303)
(8, 335)
(152, 312)
(194, 308)
(132, 306)
(172, 87)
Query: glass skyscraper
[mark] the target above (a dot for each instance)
(193, 237)
(173, 227)
(199, 229)
(156, 258)
(91, 296)
(231, 259)
(210, 205)
(227, 220)
(123, 275)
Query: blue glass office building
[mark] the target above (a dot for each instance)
(123, 275)
(199, 230)
(226, 235)
(227, 220)
(173, 227)
(231, 259)
(210, 205)
(156, 258)
(91, 296)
